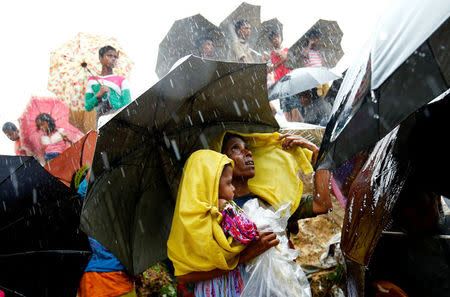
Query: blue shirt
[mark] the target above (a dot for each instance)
(102, 259)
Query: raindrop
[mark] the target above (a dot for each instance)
(238, 111)
(232, 81)
(203, 96)
(141, 226)
(166, 140)
(34, 196)
(105, 160)
(257, 104)
(376, 116)
(123, 172)
(4, 205)
(203, 140)
(175, 149)
(201, 116)
(245, 105)
(190, 121)
(171, 83)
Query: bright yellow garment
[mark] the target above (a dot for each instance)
(276, 178)
(196, 241)
(322, 90)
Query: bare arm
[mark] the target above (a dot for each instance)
(264, 241)
(322, 198)
(289, 141)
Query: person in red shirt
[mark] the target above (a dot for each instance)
(12, 133)
(289, 105)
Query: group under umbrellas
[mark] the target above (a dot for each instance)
(199, 98)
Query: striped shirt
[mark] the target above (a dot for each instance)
(118, 97)
(314, 59)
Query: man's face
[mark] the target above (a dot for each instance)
(276, 41)
(109, 59)
(237, 150)
(244, 31)
(207, 48)
(12, 134)
(226, 188)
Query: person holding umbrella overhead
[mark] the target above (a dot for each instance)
(240, 50)
(289, 105)
(107, 92)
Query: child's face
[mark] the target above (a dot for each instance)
(109, 59)
(226, 188)
(43, 125)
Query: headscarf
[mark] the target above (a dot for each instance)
(196, 241)
(276, 178)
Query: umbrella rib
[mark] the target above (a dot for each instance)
(12, 291)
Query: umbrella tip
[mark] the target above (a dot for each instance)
(84, 64)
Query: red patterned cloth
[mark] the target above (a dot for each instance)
(236, 224)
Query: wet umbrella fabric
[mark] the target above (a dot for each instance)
(141, 151)
(399, 71)
(330, 48)
(67, 163)
(43, 252)
(183, 39)
(263, 44)
(299, 80)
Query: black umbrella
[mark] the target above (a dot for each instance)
(141, 151)
(404, 67)
(42, 250)
(184, 38)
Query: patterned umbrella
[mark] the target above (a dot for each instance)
(75, 61)
(31, 137)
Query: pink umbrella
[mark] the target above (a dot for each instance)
(29, 134)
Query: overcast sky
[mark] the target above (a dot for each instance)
(30, 30)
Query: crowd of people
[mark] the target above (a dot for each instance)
(211, 248)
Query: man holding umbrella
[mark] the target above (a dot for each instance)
(240, 50)
(107, 92)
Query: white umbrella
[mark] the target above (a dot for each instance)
(299, 80)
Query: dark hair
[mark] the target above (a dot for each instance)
(240, 23)
(202, 40)
(313, 33)
(104, 49)
(227, 138)
(272, 34)
(45, 117)
(8, 126)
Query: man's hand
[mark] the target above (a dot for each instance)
(264, 241)
(290, 141)
(103, 90)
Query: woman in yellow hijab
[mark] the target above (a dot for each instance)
(197, 244)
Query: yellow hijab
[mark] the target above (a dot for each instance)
(196, 241)
(276, 178)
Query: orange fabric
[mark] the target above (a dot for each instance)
(18, 148)
(67, 164)
(104, 284)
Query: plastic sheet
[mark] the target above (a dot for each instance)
(275, 272)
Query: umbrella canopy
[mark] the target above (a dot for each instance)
(245, 11)
(398, 72)
(43, 252)
(75, 61)
(263, 44)
(141, 151)
(330, 48)
(30, 136)
(299, 80)
(79, 154)
(395, 160)
(183, 39)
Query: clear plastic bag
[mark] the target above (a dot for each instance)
(274, 273)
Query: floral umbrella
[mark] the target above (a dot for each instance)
(75, 61)
(30, 136)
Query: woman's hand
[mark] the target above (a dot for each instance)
(103, 90)
(290, 141)
(264, 241)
